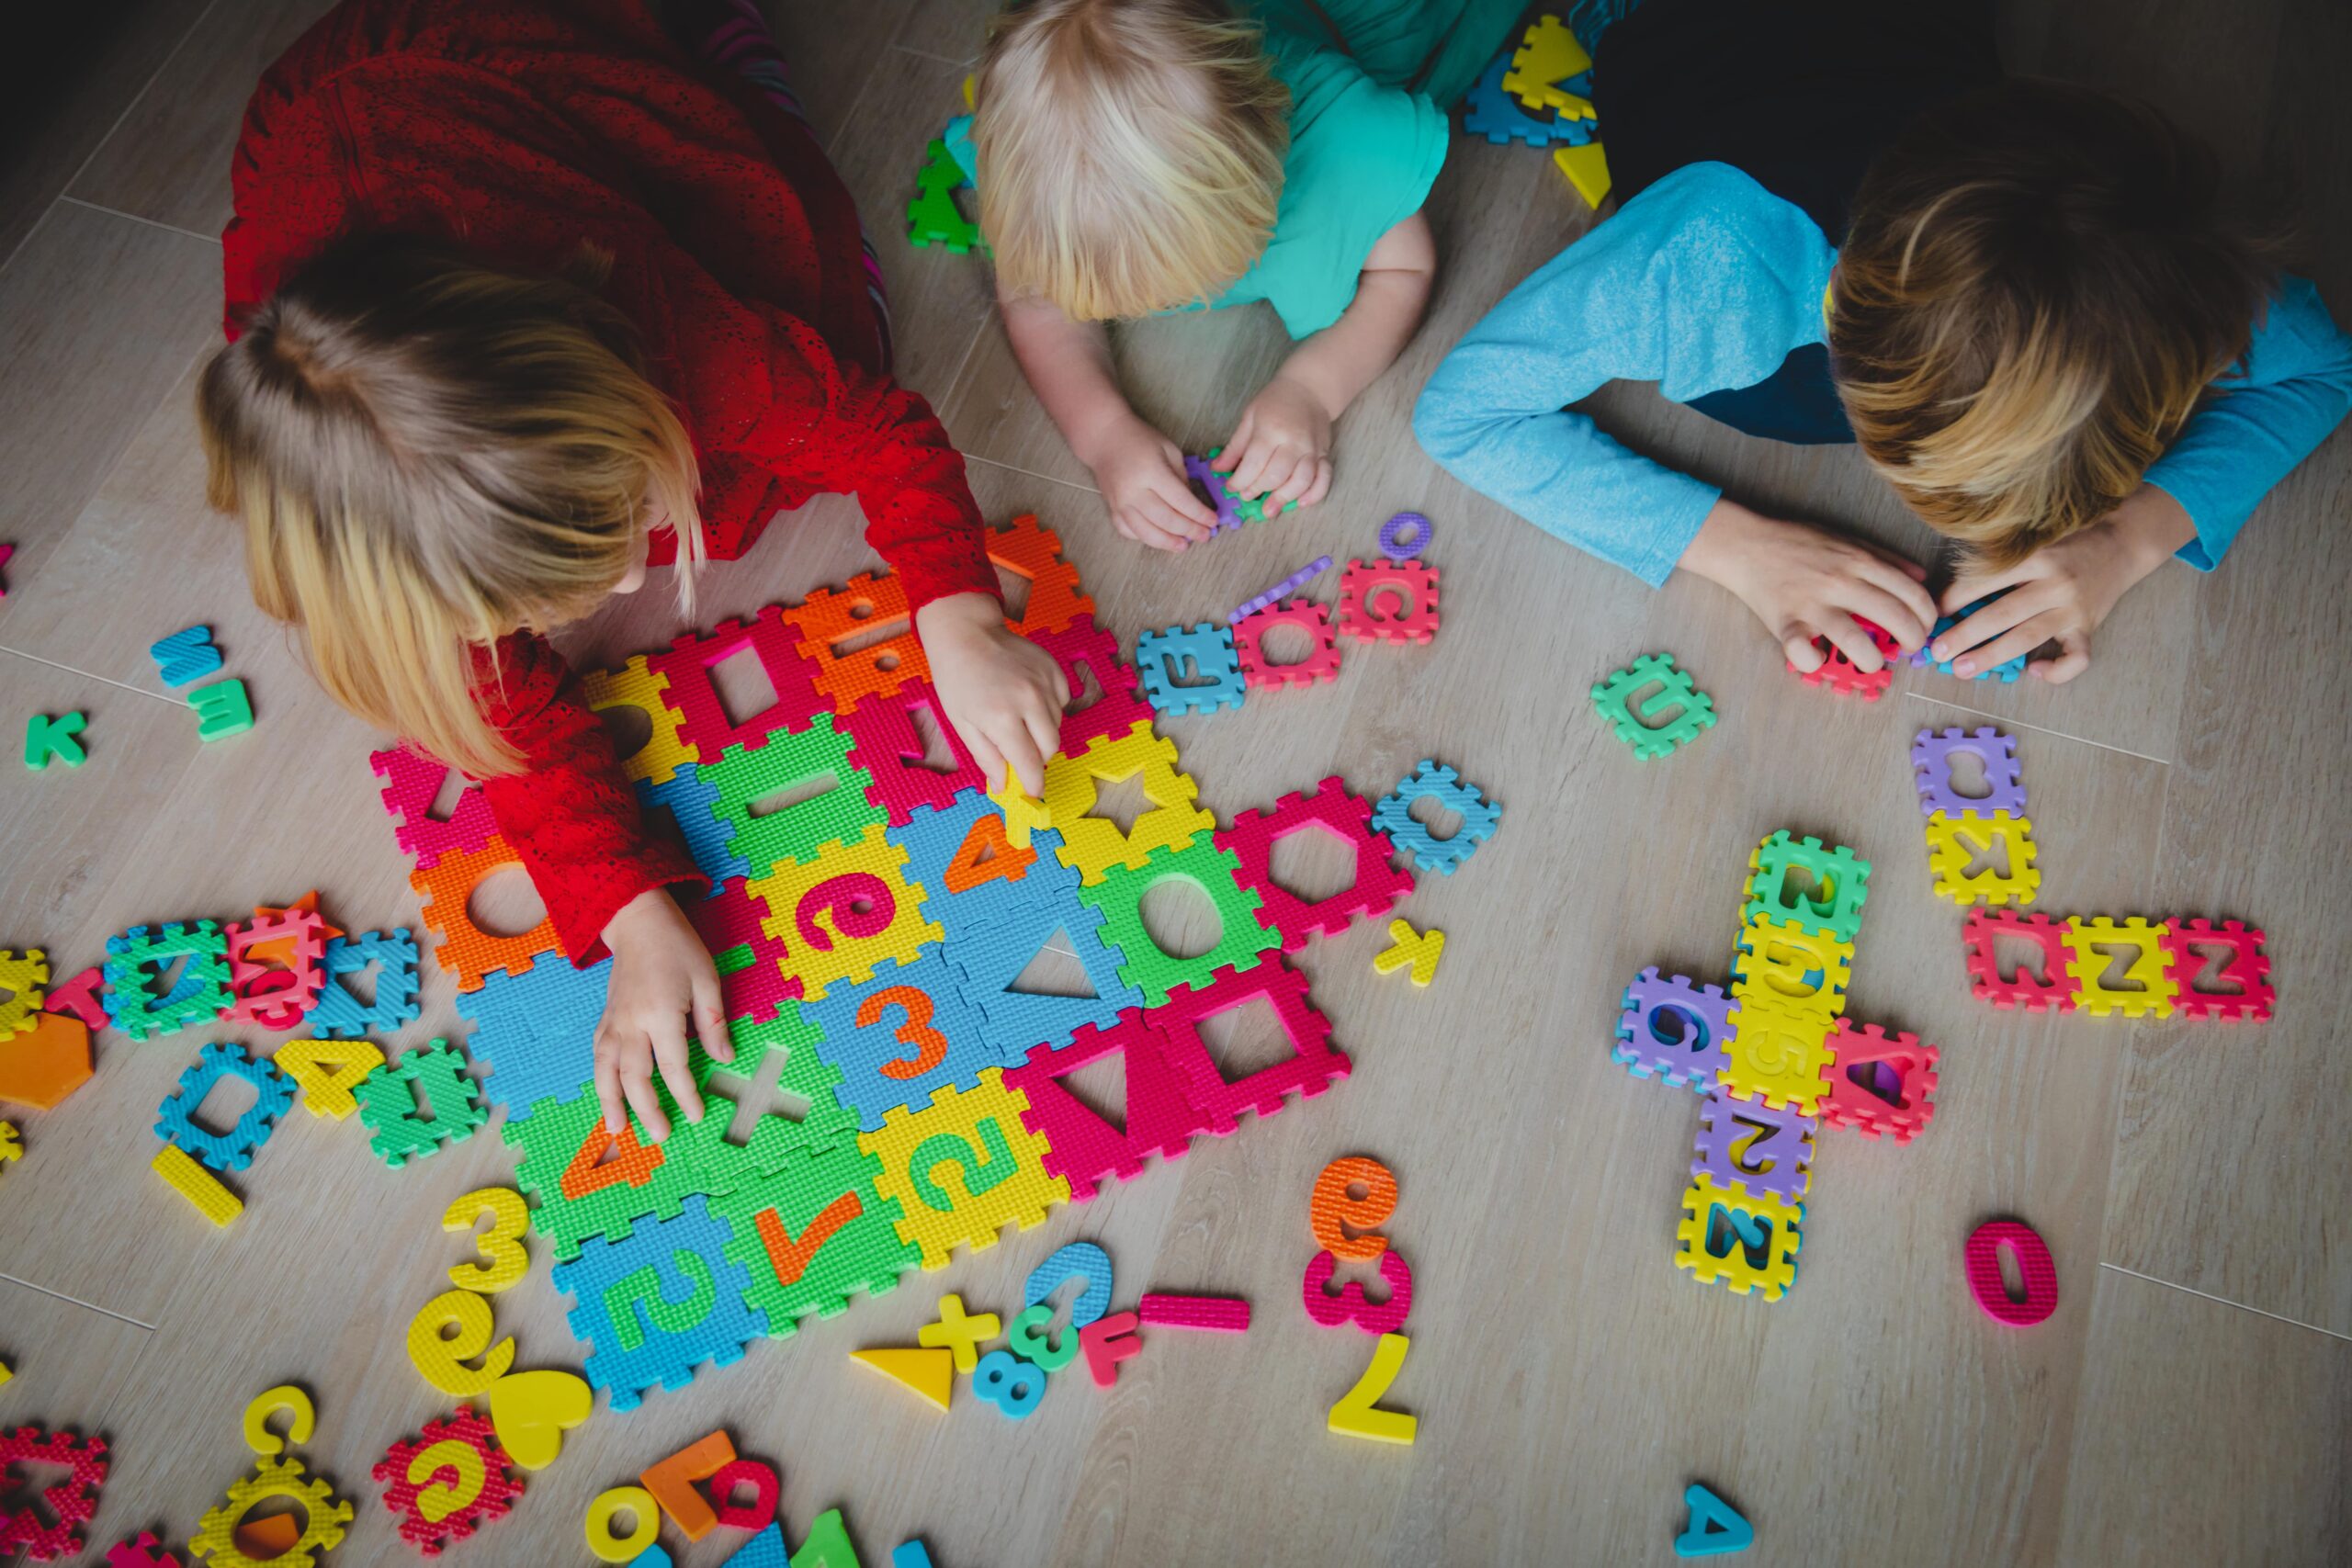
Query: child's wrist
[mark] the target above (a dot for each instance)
(2152, 527)
(1722, 545)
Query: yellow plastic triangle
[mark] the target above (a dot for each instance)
(931, 1374)
(328, 1092)
(1587, 169)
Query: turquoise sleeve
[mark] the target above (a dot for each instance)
(2296, 387)
(1704, 281)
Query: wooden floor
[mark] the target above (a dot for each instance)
(2190, 1402)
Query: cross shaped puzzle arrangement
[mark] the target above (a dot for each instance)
(894, 1097)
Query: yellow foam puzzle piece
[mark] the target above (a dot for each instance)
(1733, 1269)
(188, 1177)
(12, 1142)
(1776, 1055)
(286, 1399)
(1421, 950)
(998, 1165)
(2150, 967)
(1587, 169)
(931, 1374)
(1358, 1416)
(960, 1333)
(637, 685)
(327, 1071)
(1094, 846)
(23, 976)
(531, 1411)
(1548, 55)
(1776, 957)
(817, 936)
(1955, 839)
(1023, 813)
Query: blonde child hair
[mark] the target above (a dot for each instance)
(2035, 290)
(1130, 153)
(429, 454)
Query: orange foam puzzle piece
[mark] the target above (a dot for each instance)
(272, 1535)
(49, 1062)
(829, 617)
(466, 950)
(672, 1482)
(280, 949)
(1028, 550)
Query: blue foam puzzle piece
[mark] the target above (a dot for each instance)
(234, 1150)
(1715, 1527)
(1078, 1260)
(1394, 816)
(1490, 112)
(930, 838)
(861, 1051)
(1210, 651)
(692, 802)
(185, 656)
(1016, 1023)
(2005, 673)
(653, 1557)
(958, 138)
(654, 1306)
(765, 1550)
(339, 1015)
(911, 1554)
(534, 1030)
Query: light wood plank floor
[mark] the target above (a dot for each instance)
(2190, 1402)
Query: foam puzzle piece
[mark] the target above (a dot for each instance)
(1012, 1385)
(1882, 1085)
(692, 691)
(930, 1373)
(1394, 816)
(976, 876)
(276, 997)
(1387, 602)
(830, 620)
(730, 1478)
(500, 1247)
(594, 1183)
(531, 1411)
(79, 997)
(198, 1186)
(1995, 753)
(1715, 1529)
(532, 1032)
(2150, 958)
(1026, 1334)
(1701, 1020)
(1490, 112)
(223, 710)
(1375, 888)
(1548, 54)
(827, 1545)
(1096, 846)
(2054, 989)
(341, 1015)
(446, 1335)
(1107, 1341)
(1023, 814)
(752, 980)
(234, 1150)
(280, 949)
(1747, 1144)
(69, 1501)
(814, 1234)
(811, 1116)
(1840, 883)
(1083, 1260)
(1211, 486)
(1755, 1248)
(1086, 1148)
(692, 799)
(645, 1524)
(48, 739)
(1358, 1415)
(464, 948)
(1001, 1176)
(839, 814)
(1394, 541)
(2007, 673)
(12, 1149)
(1321, 662)
(653, 1307)
(2247, 967)
(911, 1554)
(388, 1103)
(1242, 937)
(1801, 968)
(1291, 584)
(1616, 700)
(448, 1483)
(1587, 168)
(25, 977)
(219, 1534)
(1981, 1256)
(1312, 1065)
(41, 1067)
(1035, 554)
(1959, 840)
(1213, 1315)
(412, 782)
(1349, 1304)
(932, 217)
(1090, 653)
(1344, 1225)
(1193, 669)
(845, 914)
(636, 685)
(1842, 676)
(146, 1552)
(200, 993)
(1416, 952)
(887, 749)
(900, 1036)
(765, 1550)
(961, 1333)
(1775, 1054)
(1015, 1022)
(186, 655)
(671, 1483)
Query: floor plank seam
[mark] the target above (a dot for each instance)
(2037, 728)
(135, 218)
(2224, 1301)
(91, 675)
(971, 352)
(969, 61)
(77, 1301)
(1031, 473)
(137, 98)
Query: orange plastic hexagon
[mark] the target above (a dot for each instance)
(48, 1061)
(827, 619)
(466, 950)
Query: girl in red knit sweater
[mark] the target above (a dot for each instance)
(521, 299)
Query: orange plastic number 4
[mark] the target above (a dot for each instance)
(985, 855)
(1357, 1414)
(631, 1161)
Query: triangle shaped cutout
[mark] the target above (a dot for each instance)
(1715, 1527)
(1878, 1079)
(1053, 970)
(930, 1372)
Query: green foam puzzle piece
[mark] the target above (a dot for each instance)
(46, 738)
(1845, 874)
(797, 832)
(1613, 699)
(1241, 941)
(932, 217)
(387, 1105)
(136, 961)
(827, 1197)
(223, 710)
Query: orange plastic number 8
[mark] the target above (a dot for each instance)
(931, 1046)
(1333, 1211)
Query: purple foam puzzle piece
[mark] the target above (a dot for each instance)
(1746, 1143)
(1687, 1059)
(1212, 484)
(1931, 756)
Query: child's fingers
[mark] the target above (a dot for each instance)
(985, 755)
(1022, 755)
(2073, 658)
(1236, 444)
(1250, 477)
(1175, 487)
(1169, 522)
(1852, 641)
(1320, 488)
(1992, 621)
(1044, 729)
(2015, 643)
(710, 1018)
(669, 1038)
(1971, 586)
(1892, 616)
(1295, 477)
(1910, 624)
(637, 1086)
(1136, 524)
(608, 1091)
(1802, 652)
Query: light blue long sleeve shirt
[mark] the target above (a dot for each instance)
(1707, 281)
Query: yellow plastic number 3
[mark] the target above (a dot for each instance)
(502, 1257)
(441, 1357)
(1355, 1414)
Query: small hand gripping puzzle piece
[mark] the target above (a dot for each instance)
(388, 1103)
(1213, 1315)
(2005, 673)
(1746, 1144)
(1839, 885)
(340, 1015)
(323, 1517)
(1613, 699)
(1025, 549)
(655, 1306)
(1394, 816)
(1212, 485)
(79, 997)
(1322, 661)
(465, 949)
(25, 977)
(1741, 1241)
(234, 1150)
(1995, 753)
(2151, 967)
(1312, 1065)
(2053, 990)
(1416, 952)
(223, 710)
(1843, 676)
(1547, 56)
(594, 1183)
(1394, 541)
(276, 998)
(1375, 888)
(1085, 1149)
(1388, 602)
(828, 621)
(690, 689)
(1001, 1176)
(1702, 1015)
(448, 1483)
(1880, 1085)
(412, 784)
(1982, 1258)
(70, 1500)
(2248, 967)
(1246, 509)
(1084, 649)
(889, 751)
(186, 655)
(1190, 668)
(200, 994)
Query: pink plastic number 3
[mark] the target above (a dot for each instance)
(1349, 1305)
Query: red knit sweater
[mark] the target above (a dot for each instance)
(524, 128)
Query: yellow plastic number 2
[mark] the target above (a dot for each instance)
(1355, 1414)
(441, 1357)
(502, 1257)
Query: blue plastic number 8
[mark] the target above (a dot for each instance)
(1010, 1383)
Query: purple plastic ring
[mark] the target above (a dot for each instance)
(1396, 551)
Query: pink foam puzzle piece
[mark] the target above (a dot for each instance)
(1107, 1341)
(1322, 661)
(1080, 1145)
(1214, 1314)
(411, 783)
(1312, 1065)
(1082, 649)
(1388, 602)
(2248, 968)
(885, 742)
(1901, 1111)
(1376, 888)
(1982, 1260)
(693, 694)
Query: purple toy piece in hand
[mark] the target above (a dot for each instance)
(1746, 1143)
(1682, 1048)
(1931, 756)
(1212, 486)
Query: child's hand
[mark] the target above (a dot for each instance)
(1282, 448)
(2063, 591)
(1141, 475)
(1001, 692)
(1804, 584)
(661, 974)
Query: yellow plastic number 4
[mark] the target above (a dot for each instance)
(1357, 1414)
(441, 1357)
(502, 1257)
(328, 1070)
